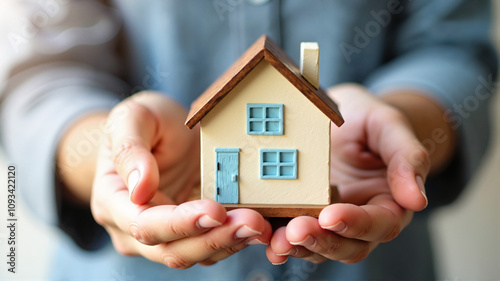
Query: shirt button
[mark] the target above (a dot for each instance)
(257, 2)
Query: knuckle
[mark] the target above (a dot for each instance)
(332, 247)
(177, 230)
(363, 252)
(393, 233)
(362, 232)
(123, 152)
(307, 255)
(213, 245)
(142, 234)
(420, 157)
(176, 261)
(232, 250)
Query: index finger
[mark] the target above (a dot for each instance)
(154, 224)
(381, 220)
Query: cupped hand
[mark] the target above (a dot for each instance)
(146, 170)
(379, 167)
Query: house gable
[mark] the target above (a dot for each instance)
(263, 49)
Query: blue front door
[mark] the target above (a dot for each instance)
(226, 179)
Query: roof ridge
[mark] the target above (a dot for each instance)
(263, 48)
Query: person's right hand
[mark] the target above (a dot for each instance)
(146, 169)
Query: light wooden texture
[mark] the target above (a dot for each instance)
(263, 49)
(280, 211)
(309, 62)
(225, 126)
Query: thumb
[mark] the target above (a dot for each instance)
(389, 134)
(406, 177)
(131, 140)
(408, 166)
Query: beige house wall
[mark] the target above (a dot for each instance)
(306, 129)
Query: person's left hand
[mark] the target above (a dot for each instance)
(379, 167)
(147, 166)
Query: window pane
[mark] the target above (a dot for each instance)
(273, 112)
(269, 171)
(256, 126)
(270, 157)
(286, 171)
(273, 126)
(287, 157)
(256, 112)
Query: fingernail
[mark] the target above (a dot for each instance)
(338, 227)
(421, 186)
(133, 180)
(292, 252)
(206, 221)
(308, 242)
(280, 263)
(245, 232)
(256, 241)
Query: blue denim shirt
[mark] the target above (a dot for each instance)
(75, 63)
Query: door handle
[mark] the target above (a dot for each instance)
(234, 178)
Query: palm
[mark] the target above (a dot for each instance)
(147, 168)
(170, 149)
(355, 166)
(178, 168)
(371, 149)
(373, 167)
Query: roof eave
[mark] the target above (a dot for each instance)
(265, 49)
(317, 96)
(225, 83)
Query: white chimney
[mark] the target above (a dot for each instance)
(309, 62)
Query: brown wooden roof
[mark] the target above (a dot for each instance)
(263, 48)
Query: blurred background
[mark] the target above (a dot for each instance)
(466, 234)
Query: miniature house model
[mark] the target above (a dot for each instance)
(265, 131)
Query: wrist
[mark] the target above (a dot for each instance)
(77, 156)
